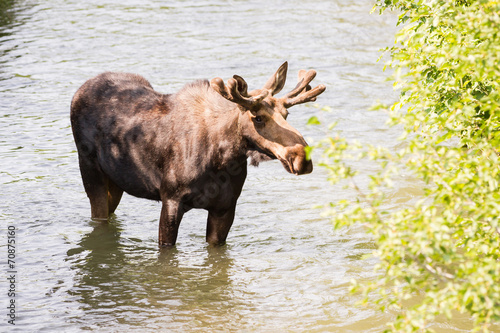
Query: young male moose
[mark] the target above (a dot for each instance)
(188, 149)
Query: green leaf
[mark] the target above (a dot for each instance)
(313, 121)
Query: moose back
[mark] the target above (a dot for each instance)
(187, 149)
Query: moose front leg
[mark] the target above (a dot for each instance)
(218, 225)
(170, 219)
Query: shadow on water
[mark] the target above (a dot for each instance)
(119, 281)
(6, 14)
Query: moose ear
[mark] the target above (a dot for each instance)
(277, 81)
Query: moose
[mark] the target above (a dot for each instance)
(188, 149)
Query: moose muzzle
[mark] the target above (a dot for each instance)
(294, 160)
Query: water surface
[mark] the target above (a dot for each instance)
(284, 267)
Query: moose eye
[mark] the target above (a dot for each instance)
(258, 119)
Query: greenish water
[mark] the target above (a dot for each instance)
(284, 267)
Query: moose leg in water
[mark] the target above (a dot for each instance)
(114, 196)
(104, 195)
(218, 225)
(170, 219)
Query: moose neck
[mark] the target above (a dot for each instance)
(211, 124)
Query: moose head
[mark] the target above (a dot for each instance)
(262, 118)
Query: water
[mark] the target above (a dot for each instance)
(284, 267)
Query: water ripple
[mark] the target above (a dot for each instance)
(284, 268)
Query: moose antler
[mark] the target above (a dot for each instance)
(302, 92)
(236, 91)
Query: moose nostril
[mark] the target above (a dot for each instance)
(298, 162)
(309, 167)
(302, 165)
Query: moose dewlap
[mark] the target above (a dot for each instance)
(188, 149)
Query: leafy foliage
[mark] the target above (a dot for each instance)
(441, 255)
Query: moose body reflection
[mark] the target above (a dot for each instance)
(188, 149)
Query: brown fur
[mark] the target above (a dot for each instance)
(188, 149)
